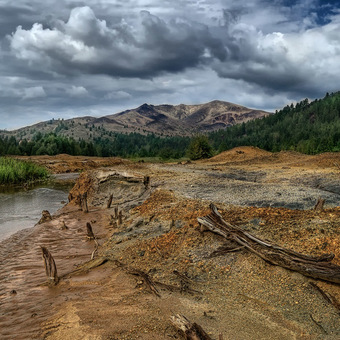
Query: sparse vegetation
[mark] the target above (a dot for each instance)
(14, 171)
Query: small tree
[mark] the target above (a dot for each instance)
(200, 148)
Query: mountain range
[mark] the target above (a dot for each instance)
(166, 120)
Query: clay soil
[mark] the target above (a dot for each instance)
(236, 295)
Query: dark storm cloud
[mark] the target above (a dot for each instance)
(143, 48)
(10, 16)
(107, 55)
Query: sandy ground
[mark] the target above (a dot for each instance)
(237, 294)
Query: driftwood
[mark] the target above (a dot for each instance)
(87, 266)
(318, 267)
(151, 283)
(50, 267)
(189, 330)
(109, 202)
(319, 204)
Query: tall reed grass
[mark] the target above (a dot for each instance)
(13, 171)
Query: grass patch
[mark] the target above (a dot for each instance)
(13, 171)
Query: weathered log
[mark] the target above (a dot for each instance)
(189, 330)
(89, 231)
(50, 267)
(319, 204)
(109, 202)
(86, 267)
(318, 267)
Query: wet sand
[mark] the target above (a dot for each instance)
(22, 270)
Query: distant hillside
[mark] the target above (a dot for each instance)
(165, 120)
(307, 127)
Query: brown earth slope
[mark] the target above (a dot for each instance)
(236, 294)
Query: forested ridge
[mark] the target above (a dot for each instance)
(307, 127)
(123, 145)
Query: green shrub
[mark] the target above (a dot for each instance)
(13, 171)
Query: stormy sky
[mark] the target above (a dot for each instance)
(68, 58)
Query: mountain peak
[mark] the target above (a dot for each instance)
(171, 120)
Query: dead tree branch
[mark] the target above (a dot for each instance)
(146, 278)
(189, 330)
(109, 202)
(318, 267)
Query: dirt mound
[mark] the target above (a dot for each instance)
(252, 155)
(64, 163)
(326, 160)
(240, 154)
(97, 186)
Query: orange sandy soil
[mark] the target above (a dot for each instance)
(237, 294)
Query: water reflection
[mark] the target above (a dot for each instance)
(21, 208)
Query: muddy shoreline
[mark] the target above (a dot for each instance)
(159, 233)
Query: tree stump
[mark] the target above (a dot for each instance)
(50, 267)
(83, 203)
(63, 226)
(319, 204)
(120, 218)
(45, 217)
(146, 182)
(89, 231)
(109, 202)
